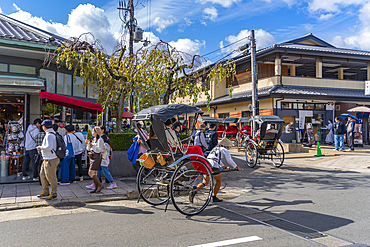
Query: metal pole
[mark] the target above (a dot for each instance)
(254, 79)
(131, 44)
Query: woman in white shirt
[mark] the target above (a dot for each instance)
(96, 147)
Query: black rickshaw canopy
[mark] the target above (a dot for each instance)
(244, 120)
(230, 120)
(165, 112)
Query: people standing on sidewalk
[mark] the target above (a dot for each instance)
(68, 170)
(350, 134)
(96, 147)
(80, 147)
(30, 150)
(39, 139)
(106, 160)
(48, 174)
(339, 131)
(330, 136)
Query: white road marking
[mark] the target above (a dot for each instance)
(229, 242)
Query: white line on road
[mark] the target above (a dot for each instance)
(229, 242)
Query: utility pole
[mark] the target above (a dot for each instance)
(254, 79)
(131, 43)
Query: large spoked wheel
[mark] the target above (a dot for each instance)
(277, 156)
(153, 185)
(183, 184)
(251, 154)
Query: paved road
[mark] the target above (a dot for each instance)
(271, 203)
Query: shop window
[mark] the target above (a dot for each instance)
(78, 88)
(50, 79)
(20, 69)
(64, 82)
(320, 106)
(289, 122)
(309, 106)
(246, 114)
(285, 105)
(223, 115)
(300, 106)
(3, 67)
(93, 92)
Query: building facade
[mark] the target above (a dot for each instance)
(304, 81)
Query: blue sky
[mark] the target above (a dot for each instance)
(203, 26)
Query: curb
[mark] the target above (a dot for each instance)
(133, 194)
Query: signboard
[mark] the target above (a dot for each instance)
(367, 87)
(302, 118)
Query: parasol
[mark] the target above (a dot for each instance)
(360, 109)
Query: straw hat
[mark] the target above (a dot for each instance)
(225, 142)
(202, 127)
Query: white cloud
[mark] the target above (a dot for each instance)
(85, 18)
(162, 24)
(188, 46)
(1, 11)
(308, 27)
(223, 3)
(361, 38)
(210, 13)
(187, 23)
(332, 5)
(325, 17)
(263, 39)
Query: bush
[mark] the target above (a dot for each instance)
(121, 141)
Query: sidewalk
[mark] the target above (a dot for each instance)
(18, 196)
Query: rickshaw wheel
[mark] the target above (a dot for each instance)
(185, 180)
(153, 185)
(277, 157)
(251, 154)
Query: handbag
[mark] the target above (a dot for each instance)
(38, 158)
(95, 159)
(69, 149)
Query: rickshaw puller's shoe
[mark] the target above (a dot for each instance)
(215, 199)
(191, 195)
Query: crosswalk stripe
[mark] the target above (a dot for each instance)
(229, 242)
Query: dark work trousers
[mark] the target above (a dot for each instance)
(29, 157)
(351, 140)
(78, 160)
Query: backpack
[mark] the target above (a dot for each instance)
(61, 146)
(111, 154)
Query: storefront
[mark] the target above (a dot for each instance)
(304, 121)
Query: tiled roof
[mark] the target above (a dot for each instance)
(323, 49)
(316, 91)
(16, 30)
(298, 91)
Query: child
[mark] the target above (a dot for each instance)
(104, 164)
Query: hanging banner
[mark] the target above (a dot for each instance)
(302, 118)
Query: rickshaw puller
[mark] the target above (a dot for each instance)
(217, 153)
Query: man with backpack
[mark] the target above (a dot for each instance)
(52, 151)
(339, 131)
(211, 137)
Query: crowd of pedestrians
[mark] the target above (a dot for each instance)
(54, 150)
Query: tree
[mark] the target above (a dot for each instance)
(153, 73)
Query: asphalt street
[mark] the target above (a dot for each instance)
(330, 205)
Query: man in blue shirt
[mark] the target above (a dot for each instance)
(350, 134)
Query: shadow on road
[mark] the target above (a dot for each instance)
(118, 209)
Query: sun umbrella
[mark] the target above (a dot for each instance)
(346, 115)
(360, 109)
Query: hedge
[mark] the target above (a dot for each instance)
(121, 141)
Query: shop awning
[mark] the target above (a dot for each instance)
(71, 102)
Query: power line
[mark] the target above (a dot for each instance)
(225, 46)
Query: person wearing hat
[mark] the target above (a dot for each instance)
(200, 139)
(211, 137)
(219, 152)
(48, 172)
(171, 136)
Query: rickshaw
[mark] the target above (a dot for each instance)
(244, 132)
(266, 144)
(231, 130)
(171, 173)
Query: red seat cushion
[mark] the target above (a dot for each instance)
(231, 130)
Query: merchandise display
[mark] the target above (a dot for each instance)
(14, 138)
